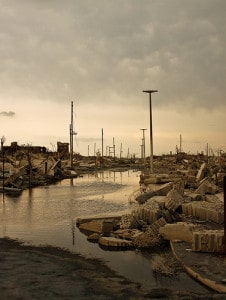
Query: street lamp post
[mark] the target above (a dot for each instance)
(151, 135)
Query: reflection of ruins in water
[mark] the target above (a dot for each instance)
(47, 214)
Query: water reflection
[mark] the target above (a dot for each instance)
(46, 215)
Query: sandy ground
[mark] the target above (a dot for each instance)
(28, 272)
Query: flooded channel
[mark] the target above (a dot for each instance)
(47, 215)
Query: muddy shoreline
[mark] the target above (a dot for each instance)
(46, 272)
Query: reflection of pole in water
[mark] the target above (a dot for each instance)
(121, 177)
(94, 153)
(71, 182)
(29, 206)
(102, 176)
(73, 231)
(4, 218)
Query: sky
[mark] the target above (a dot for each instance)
(101, 55)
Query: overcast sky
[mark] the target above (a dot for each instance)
(101, 55)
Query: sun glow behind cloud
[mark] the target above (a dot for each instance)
(101, 57)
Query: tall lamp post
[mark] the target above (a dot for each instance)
(151, 135)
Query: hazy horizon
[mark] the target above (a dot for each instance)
(102, 56)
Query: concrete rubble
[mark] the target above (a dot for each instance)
(29, 166)
(185, 205)
(182, 199)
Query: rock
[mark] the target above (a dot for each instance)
(126, 234)
(159, 191)
(173, 200)
(112, 242)
(93, 237)
(201, 172)
(195, 197)
(208, 241)
(205, 210)
(99, 226)
(150, 238)
(206, 186)
(178, 231)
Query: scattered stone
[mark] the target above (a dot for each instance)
(112, 242)
(208, 241)
(126, 234)
(151, 237)
(94, 237)
(201, 172)
(179, 231)
(206, 186)
(195, 197)
(173, 200)
(159, 191)
(205, 210)
(99, 226)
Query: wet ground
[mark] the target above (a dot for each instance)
(51, 273)
(28, 272)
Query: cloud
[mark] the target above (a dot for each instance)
(111, 51)
(7, 114)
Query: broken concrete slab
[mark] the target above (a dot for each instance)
(205, 210)
(94, 237)
(151, 237)
(113, 242)
(178, 231)
(207, 186)
(195, 197)
(126, 234)
(98, 226)
(158, 191)
(208, 241)
(173, 200)
(201, 172)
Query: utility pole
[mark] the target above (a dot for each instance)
(151, 135)
(180, 143)
(114, 146)
(72, 133)
(3, 166)
(94, 151)
(142, 150)
(121, 151)
(143, 144)
(102, 139)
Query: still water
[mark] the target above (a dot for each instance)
(47, 215)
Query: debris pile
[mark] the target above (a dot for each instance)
(185, 205)
(26, 170)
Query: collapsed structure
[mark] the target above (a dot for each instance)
(184, 204)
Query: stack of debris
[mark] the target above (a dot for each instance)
(168, 211)
(26, 170)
